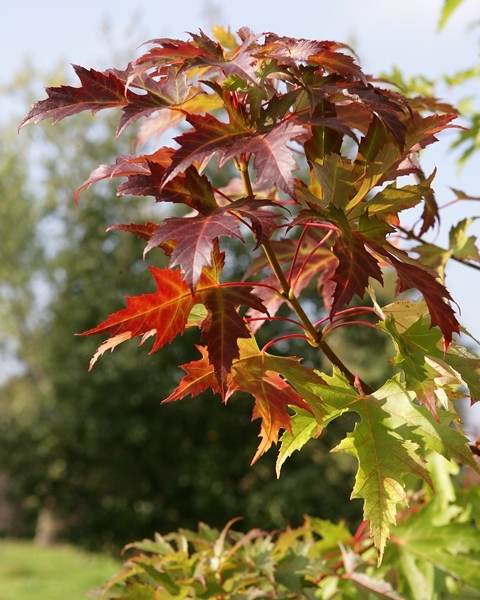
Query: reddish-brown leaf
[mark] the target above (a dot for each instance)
(199, 377)
(355, 266)
(290, 51)
(163, 313)
(272, 397)
(208, 136)
(189, 188)
(412, 275)
(128, 165)
(436, 296)
(337, 62)
(98, 90)
(168, 51)
(195, 238)
(242, 63)
(142, 231)
(263, 221)
(224, 326)
(273, 160)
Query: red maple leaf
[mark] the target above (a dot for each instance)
(263, 221)
(411, 274)
(224, 325)
(355, 266)
(272, 396)
(208, 136)
(195, 239)
(436, 296)
(200, 376)
(290, 51)
(337, 62)
(189, 188)
(242, 63)
(163, 313)
(168, 51)
(98, 90)
(273, 160)
(128, 165)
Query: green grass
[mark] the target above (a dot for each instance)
(28, 572)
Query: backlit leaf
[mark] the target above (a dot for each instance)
(165, 311)
(195, 239)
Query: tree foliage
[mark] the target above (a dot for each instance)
(271, 106)
(94, 448)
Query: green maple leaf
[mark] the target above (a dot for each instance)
(304, 427)
(419, 349)
(382, 445)
(429, 540)
(390, 441)
(412, 346)
(461, 245)
(336, 177)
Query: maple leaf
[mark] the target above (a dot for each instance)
(200, 376)
(336, 177)
(224, 326)
(304, 427)
(172, 87)
(410, 327)
(98, 91)
(273, 160)
(272, 397)
(158, 93)
(337, 62)
(241, 63)
(101, 90)
(412, 275)
(419, 375)
(208, 136)
(430, 538)
(305, 380)
(322, 123)
(127, 165)
(168, 51)
(109, 344)
(376, 156)
(290, 51)
(461, 245)
(421, 130)
(391, 200)
(355, 266)
(263, 221)
(195, 238)
(435, 294)
(189, 188)
(382, 444)
(144, 231)
(163, 313)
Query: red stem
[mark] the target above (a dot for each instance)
(295, 256)
(344, 324)
(283, 337)
(250, 319)
(307, 259)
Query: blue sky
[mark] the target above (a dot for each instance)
(382, 31)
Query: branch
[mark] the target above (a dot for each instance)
(314, 336)
(412, 236)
